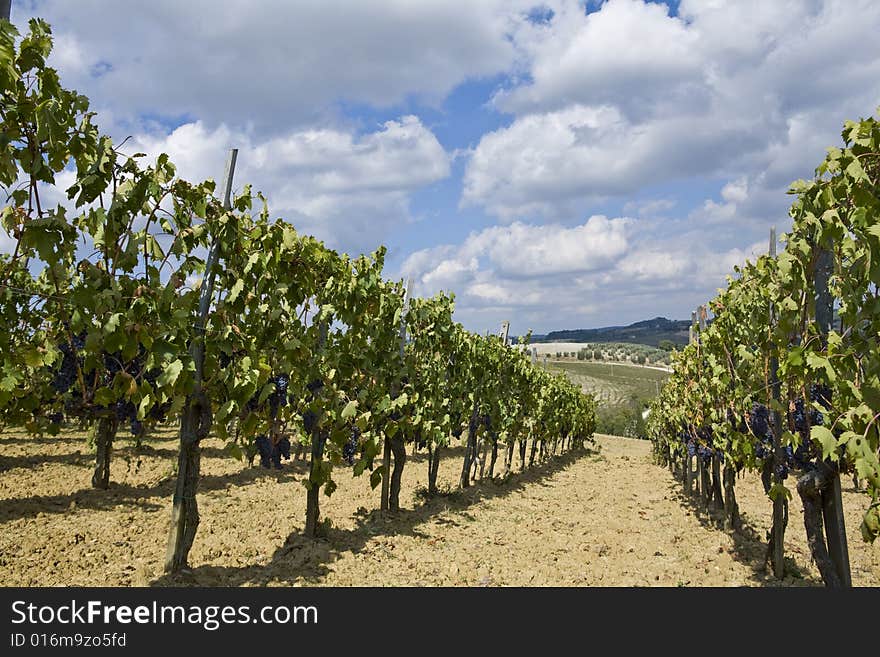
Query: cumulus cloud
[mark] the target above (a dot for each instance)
(348, 189)
(542, 162)
(629, 96)
(531, 274)
(523, 251)
(274, 63)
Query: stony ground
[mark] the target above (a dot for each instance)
(607, 518)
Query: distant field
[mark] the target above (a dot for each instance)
(613, 384)
(552, 347)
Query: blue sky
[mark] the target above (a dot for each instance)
(557, 164)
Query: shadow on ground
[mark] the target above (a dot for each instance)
(749, 546)
(303, 560)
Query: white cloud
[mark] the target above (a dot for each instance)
(624, 273)
(628, 97)
(274, 63)
(348, 189)
(736, 191)
(629, 50)
(522, 251)
(541, 161)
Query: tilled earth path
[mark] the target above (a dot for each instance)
(606, 518)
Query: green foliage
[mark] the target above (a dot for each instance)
(717, 379)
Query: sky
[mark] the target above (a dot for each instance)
(560, 164)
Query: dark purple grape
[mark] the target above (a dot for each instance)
(350, 448)
(310, 421)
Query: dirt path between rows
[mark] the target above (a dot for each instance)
(606, 518)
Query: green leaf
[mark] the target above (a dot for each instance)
(170, 373)
(32, 357)
(235, 290)
(376, 477)
(104, 396)
(826, 439)
(350, 409)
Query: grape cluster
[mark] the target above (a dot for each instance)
(270, 455)
(759, 425)
(705, 454)
(65, 375)
(278, 398)
(124, 411)
(310, 421)
(350, 448)
(798, 416)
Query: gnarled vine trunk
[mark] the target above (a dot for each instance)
(398, 448)
(470, 450)
(534, 450)
(195, 424)
(494, 455)
(717, 495)
(433, 467)
(508, 461)
(313, 495)
(105, 432)
(810, 486)
(731, 508)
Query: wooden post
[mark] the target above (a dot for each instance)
(832, 502)
(505, 328)
(780, 504)
(688, 473)
(195, 417)
(5, 9)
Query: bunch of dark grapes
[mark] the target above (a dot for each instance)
(125, 411)
(705, 454)
(278, 398)
(264, 447)
(350, 448)
(65, 375)
(781, 471)
(310, 421)
(487, 421)
(314, 386)
(798, 416)
(283, 449)
(759, 424)
(270, 455)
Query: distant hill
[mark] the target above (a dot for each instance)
(649, 331)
